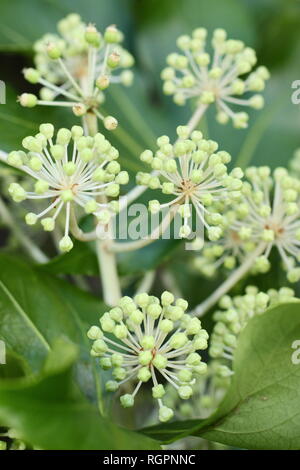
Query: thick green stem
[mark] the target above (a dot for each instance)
(106, 258)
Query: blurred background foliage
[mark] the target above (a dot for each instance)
(151, 27)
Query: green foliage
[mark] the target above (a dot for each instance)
(46, 410)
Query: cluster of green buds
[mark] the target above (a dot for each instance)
(78, 65)
(268, 215)
(70, 171)
(154, 339)
(215, 78)
(233, 316)
(209, 390)
(195, 173)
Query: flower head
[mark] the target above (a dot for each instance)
(233, 316)
(215, 78)
(267, 215)
(78, 65)
(194, 173)
(72, 170)
(154, 340)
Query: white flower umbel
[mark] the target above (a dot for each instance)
(71, 171)
(233, 316)
(215, 78)
(269, 213)
(195, 174)
(75, 67)
(154, 340)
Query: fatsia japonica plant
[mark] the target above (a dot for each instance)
(142, 358)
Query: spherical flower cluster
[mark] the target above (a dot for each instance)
(215, 78)
(234, 315)
(268, 215)
(78, 65)
(72, 170)
(195, 173)
(154, 340)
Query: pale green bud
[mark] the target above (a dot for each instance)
(137, 317)
(28, 100)
(185, 375)
(165, 414)
(107, 323)
(145, 357)
(168, 188)
(100, 346)
(119, 373)
(41, 186)
(158, 391)
(65, 244)
(154, 311)
(111, 386)
(166, 325)
(127, 401)
(144, 374)
(31, 218)
(94, 333)
(178, 340)
(67, 195)
(185, 392)
(147, 342)
(160, 361)
(167, 298)
(117, 360)
(57, 151)
(110, 123)
(121, 331)
(193, 359)
(105, 363)
(113, 190)
(154, 206)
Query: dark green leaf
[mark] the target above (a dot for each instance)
(48, 412)
(36, 309)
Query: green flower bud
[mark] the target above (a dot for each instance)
(185, 392)
(165, 414)
(65, 244)
(111, 386)
(127, 401)
(158, 391)
(48, 224)
(144, 374)
(145, 357)
(28, 100)
(94, 333)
